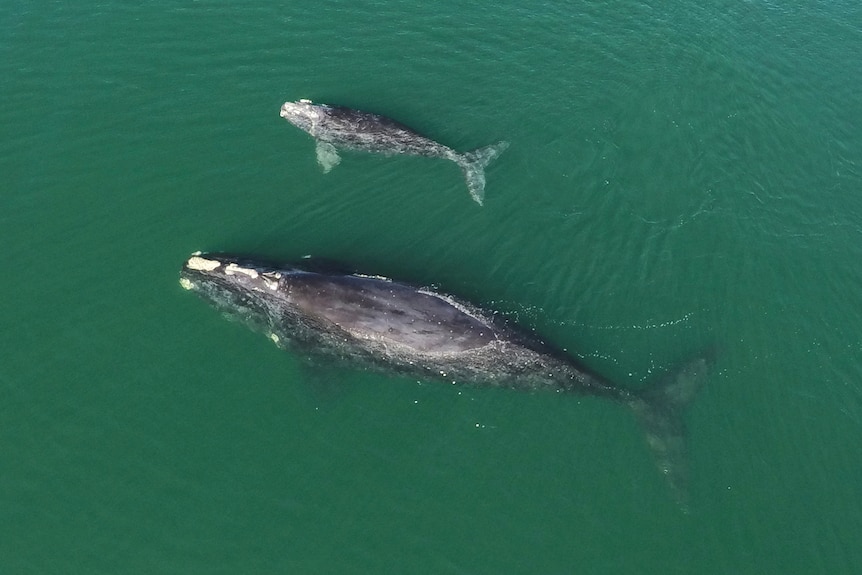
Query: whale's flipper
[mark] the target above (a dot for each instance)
(659, 410)
(327, 156)
(473, 164)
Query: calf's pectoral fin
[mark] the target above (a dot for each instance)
(327, 156)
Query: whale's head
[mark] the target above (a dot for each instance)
(303, 113)
(241, 290)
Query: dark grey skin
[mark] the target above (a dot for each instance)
(373, 322)
(335, 127)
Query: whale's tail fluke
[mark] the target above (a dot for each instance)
(473, 164)
(659, 410)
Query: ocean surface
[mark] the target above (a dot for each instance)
(681, 177)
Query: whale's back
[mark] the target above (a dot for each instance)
(374, 309)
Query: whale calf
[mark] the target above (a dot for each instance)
(336, 127)
(374, 322)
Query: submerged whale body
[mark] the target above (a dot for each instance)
(336, 127)
(378, 323)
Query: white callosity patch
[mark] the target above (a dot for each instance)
(300, 113)
(186, 283)
(202, 264)
(233, 268)
(271, 279)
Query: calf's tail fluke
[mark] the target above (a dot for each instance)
(473, 164)
(659, 410)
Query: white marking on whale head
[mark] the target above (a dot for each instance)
(200, 264)
(270, 279)
(187, 283)
(302, 114)
(233, 268)
(300, 109)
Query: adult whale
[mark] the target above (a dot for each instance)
(338, 127)
(375, 322)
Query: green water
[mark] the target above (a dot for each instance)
(679, 177)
